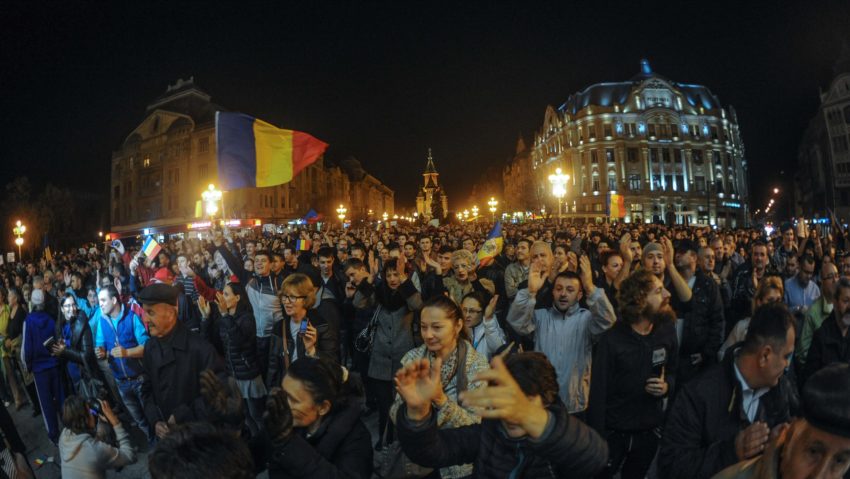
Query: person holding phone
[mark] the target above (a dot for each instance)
(305, 332)
(633, 370)
(83, 454)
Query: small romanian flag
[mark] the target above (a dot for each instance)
(492, 247)
(302, 245)
(616, 206)
(151, 247)
(253, 153)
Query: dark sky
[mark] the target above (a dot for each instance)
(384, 81)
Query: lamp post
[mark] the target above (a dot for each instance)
(493, 204)
(341, 214)
(19, 231)
(475, 213)
(211, 196)
(559, 187)
(465, 215)
(459, 216)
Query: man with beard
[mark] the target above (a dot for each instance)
(726, 414)
(633, 369)
(700, 329)
(818, 313)
(745, 281)
(517, 272)
(831, 343)
(564, 332)
(800, 290)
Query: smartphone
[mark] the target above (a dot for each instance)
(303, 329)
(49, 342)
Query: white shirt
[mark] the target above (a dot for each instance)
(750, 397)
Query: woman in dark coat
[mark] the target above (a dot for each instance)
(237, 330)
(314, 426)
(75, 347)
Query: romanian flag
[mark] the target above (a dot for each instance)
(48, 255)
(492, 247)
(616, 206)
(151, 248)
(302, 245)
(253, 153)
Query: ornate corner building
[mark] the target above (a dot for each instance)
(823, 159)
(431, 191)
(671, 149)
(165, 163)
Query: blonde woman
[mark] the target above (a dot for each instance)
(770, 290)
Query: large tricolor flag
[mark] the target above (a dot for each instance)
(492, 247)
(151, 247)
(616, 206)
(253, 153)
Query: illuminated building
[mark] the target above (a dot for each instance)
(671, 149)
(823, 159)
(430, 189)
(163, 165)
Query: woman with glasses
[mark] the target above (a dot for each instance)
(304, 332)
(464, 280)
(479, 317)
(74, 345)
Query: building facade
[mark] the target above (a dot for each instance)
(671, 149)
(823, 174)
(165, 163)
(431, 189)
(519, 181)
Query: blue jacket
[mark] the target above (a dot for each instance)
(38, 327)
(128, 332)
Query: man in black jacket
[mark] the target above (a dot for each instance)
(726, 414)
(525, 432)
(701, 319)
(633, 370)
(174, 358)
(831, 343)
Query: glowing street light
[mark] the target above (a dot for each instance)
(385, 216)
(475, 212)
(19, 231)
(211, 197)
(341, 214)
(559, 186)
(493, 204)
(776, 191)
(465, 215)
(459, 216)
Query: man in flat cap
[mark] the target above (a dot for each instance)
(174, 358)
(815, 445)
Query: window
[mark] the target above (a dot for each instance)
(699, 183)
(634, 182)
(668, 182)
(203, 171)
(147, 162)
(665, 155)
(587, 207)
(715, 159)
(696, 156)
(612, 182)
(651, 127)
(629, 129)
(580, 134)
(607, 128)
(594, 156)
(203, 145)
(656, 182)
(595, 182)
(609, 155)
(636, 207)
(116, 192)
(653, 155)
(632, 155)
(591, 132)
(597, 207)
(839, 144)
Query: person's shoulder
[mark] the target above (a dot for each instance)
(413, 354)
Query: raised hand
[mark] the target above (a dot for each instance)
(418, 384)
(278, 416)
(752, 440)
(491, 306)
(668, 252)
(400, 268)
(373, 266)
(536, 277)
(310, 338)
(502, 398)
(585, 271)
(625, 248)
(204, 307)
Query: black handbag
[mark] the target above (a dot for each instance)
(363, 341)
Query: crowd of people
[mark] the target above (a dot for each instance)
(579, 350)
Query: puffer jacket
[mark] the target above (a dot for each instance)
(340, 448)
(567, 448)
(703, 328)
(238, 337)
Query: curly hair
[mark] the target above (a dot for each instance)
(632, 294)
(463, 255)
(535, 375)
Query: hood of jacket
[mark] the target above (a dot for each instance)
(71, 443)
(334, 429)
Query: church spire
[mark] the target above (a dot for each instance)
(429, 168)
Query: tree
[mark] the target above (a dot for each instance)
(437, 204)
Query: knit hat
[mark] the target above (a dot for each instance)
(37, 297)
(651, 248)
(825, 403)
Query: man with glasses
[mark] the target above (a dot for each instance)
(819, 311)
(800, 291)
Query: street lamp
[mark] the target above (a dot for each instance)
(559, 187)
(475, 212)
(211, 197)
(341, 213)
(385, 216)
(493, 204)
(776, 191)
(465, 215)
(459, 216)
(19, 231)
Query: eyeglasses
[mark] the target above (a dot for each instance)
(291, 299)
(472, 311)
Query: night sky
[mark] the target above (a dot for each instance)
(385, 81)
